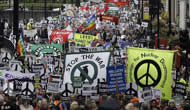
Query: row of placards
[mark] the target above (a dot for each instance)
(91, 66)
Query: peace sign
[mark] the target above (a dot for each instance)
(147, 73)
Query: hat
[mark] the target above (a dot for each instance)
(171, 101)
(134, 100)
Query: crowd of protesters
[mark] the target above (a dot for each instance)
(55, 102)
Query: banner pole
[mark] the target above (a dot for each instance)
(59, 64)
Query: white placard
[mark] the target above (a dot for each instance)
(90, 66)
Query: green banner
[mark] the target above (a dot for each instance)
(151, 68)
(47, 48)
(84, 39)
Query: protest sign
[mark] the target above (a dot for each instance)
(77, 82)
(154, 64)
(102, 88)
(89, 66)
(54, 84)
(37, 82)
(15, 75)
(116, 74)
(88, 89)
(86, 49)
(59, 36)
(46, 48)
(147, 94)
(180, 88)
(84, 39)
(37, 68)
(30, 33)
(131, 91)
(15, 65)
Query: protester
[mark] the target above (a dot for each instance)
(74, 106)
(135, 102)
(44, 104)
(130, 106)
(26, 105)
(171, 105)
(58, 103)
(154, 105)
(113, 35)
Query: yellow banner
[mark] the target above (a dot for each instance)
(84, 39)
(151, 68)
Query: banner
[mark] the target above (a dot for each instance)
(54, 84)
(148, 95)
(37, 68)
(15, 75)
(103, 88)
(109, 18)
(84, 39)
(85, 49)
(151, 68)
(47, 48)
(131, 91)
(180, 88)
(30, 33)
(162, 44)
(116, 79)
(88, 89)
(89, 66)
(60, 36)
(120, 3)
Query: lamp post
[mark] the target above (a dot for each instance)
(24, 8)
(15, 19)
(45, 9)
(170, 18)
(158, 24)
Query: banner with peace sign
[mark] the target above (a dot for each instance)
(151, 68)
(88, 66)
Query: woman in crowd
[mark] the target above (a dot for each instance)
(171, 105)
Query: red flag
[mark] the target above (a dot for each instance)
(106, 8)
(59, 35)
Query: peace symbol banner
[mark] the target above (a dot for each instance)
(151, 68)
(89, 66)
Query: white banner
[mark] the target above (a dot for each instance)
(30, 33)
(89, 90)
(54, 84)
(89, 66)
(15, 75)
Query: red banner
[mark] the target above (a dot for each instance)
(109, 18)
(120, 3)
(162, 44)
(60, 36)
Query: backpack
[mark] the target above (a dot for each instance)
(57, 107)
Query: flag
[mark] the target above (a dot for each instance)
(21, 45)
(91, 23)
(151, 68)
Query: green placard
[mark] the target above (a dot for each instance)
(47, 48)
(77, 82)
